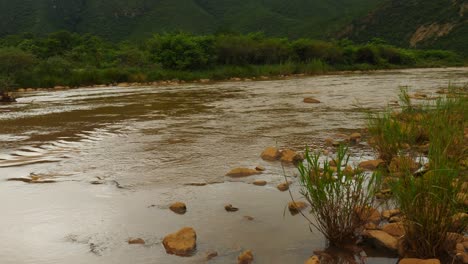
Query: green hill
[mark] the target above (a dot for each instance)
(441, 24)
(121, 19)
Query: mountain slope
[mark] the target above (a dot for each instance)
(119, 19)
(415, 23)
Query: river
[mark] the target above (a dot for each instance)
(120, 156)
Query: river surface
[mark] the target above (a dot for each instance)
(143, 145)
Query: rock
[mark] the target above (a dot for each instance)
(230, 208)
(205, 80)
(371, 164)
(283, 186)
(249, 218)
(260, 168)
(355, 137)
(211, 254)
(329, 142)
(178, 208)
(394, 229)
(311, 100)
(271, 154)
(136, 241)
(182, 243)
(312, 260)
(368, 214)
(389, 213)
(382, 239)
(290, 156)
(419, 261)
(242, 172)
(296, 207)
(245, 258)
(395, 219)
(260, 183)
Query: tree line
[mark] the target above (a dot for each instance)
(70, 59)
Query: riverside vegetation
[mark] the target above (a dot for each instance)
(69, 59)
(430, 197)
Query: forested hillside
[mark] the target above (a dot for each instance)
(441, 24)
(123, 19)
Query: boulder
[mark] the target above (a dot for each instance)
(311, 100)
(382, 239)
(245, 258)
(178, 208)
(271, 154)
(182, 243)
(312, 260)
(242, 172)
(394, 229)
(260, 183)
(290, 156)
(371, 164)
(283, 186)
(136, 241)
(419, 261)
(296, 207)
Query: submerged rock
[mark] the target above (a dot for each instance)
(211, 254)
(242, 172)
(355, 137)
(260, 168)
(182, 243)
(230, 208)
(270, 154)
(136, 241)
(178, 208)
(245, 258)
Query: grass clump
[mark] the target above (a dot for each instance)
(433, 199)
(337, 196)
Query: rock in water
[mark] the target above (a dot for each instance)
(270, 154)
(382, 239)
(290, 156)
(242, 172)
(296, 207)
(371, 164)
(182, 243)
(245, 258)
(283, 186)
(178, 208)
(136, 241)
(311, 100)
(313, 260)
(260, 183)
(230, 208)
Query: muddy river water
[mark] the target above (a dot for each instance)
(143, 145)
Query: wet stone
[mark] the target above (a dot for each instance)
(245, 258)
(178, 208)
(182, 243)
(136, 241)
(230, 208)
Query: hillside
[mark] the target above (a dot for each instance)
(441, 24)
(121, 19)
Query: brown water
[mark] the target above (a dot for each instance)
(151, 142)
